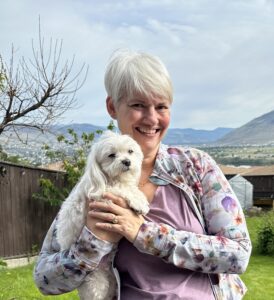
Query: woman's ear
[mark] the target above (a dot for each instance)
(111, 108)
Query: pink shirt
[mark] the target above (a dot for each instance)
(145, 276)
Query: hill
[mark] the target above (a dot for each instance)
(78, 128)
(259, 131)
(189, 136)
(174, 136)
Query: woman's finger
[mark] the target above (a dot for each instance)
(109, 217)
(127, 226)
(110, 227)
(116, 200)
(106, 206)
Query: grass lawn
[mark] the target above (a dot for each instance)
(259, 277)
(17, 284)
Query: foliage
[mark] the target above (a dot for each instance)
(265, 242)
(3, 264)
(16, 159)
(72, 154)
(3, 154)
(34, 249)
(238, 161)
(241, 155)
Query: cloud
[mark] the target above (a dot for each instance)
(219, 53)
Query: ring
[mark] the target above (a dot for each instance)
(115, 219)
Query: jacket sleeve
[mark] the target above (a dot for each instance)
(58, 272)
(225, 248)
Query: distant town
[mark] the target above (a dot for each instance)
(30, 150)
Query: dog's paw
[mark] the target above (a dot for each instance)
(140, 208)
(145, 209)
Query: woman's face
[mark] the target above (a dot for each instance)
(145, 120)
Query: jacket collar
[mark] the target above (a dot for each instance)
(173, 165)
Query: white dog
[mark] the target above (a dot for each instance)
(113, 165)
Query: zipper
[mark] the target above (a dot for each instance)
(190, 201)
(188, 197)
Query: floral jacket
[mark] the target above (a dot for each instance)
(223, 250)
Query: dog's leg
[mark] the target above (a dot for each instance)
(134, 197)
(138, 201)
(96, 286)
(70, 220)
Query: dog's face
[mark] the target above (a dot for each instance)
(119, 157)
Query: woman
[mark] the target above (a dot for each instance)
(193, 241)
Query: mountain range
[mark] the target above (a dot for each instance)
(174, 136)
(189, 136)
(259, 131)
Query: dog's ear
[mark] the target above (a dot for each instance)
(96, 180)
(107, 134)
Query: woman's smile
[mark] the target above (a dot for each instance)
(148, 132)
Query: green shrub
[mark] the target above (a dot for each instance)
(3, 264)
(72, 153)
(265, 237)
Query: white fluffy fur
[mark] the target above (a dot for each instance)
(113, 165)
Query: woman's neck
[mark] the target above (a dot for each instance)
(148, 162)
(149, 159)
(144, 184)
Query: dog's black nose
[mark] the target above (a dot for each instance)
(126, 162)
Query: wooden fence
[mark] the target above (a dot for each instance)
(24, 221)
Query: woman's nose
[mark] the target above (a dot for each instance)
(151, 115)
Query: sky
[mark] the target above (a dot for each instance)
(219, 53)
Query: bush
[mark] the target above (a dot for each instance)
(72, 153)
(265, 238)
(3, 264)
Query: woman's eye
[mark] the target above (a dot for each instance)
(130, 151)
(137, 105)
(162, 107)
(112, 155)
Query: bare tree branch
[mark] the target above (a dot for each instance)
(37, 91)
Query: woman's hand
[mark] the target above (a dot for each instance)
(114, 219)
(91, 221)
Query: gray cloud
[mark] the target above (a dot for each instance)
(219, 53)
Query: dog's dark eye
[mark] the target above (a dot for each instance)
(130, 151)
(112, 155)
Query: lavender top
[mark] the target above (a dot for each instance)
(145, 276)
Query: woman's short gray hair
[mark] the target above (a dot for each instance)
(130, 73)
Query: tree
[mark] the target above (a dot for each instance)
(72, 155)
(37, 91)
